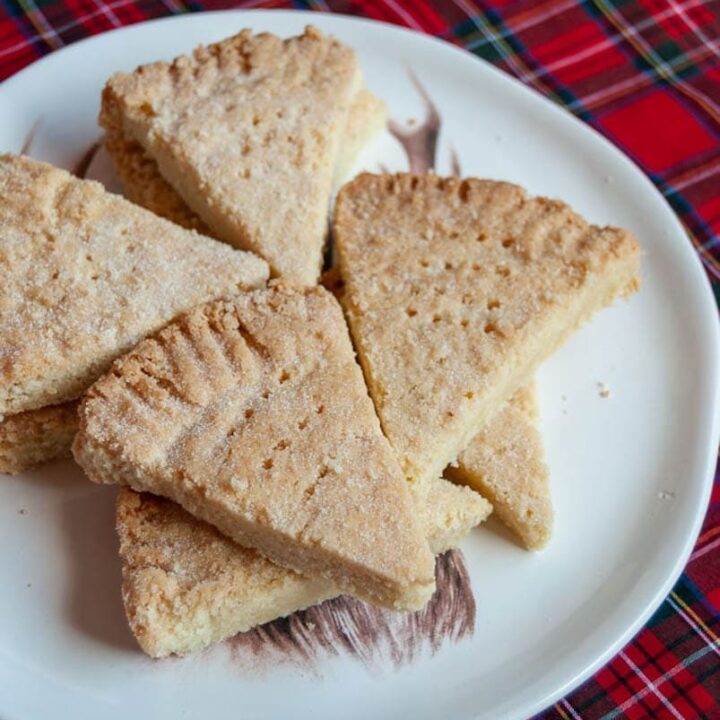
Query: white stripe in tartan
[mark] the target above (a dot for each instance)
(36, 15)
(715, 543)
(646, 77)
(404, 14)
(80, 19)
(664, 68)
(582, 103)
(62, 28)
(533, 20)
(609, 41)
(713, 644)
(650, 685)
(493, 37)
(699, 34)
(513, 28)
(108, 13)
(573, 714)
(620, 709)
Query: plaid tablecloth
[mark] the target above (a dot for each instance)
(646, 74)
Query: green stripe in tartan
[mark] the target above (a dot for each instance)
(670, 52)
(705, 610)
(687, 213)
(13, 8)
(688, 593)
(659, 61)
(486, 49)
(487, 36)
(670, 56)
(694, 599)
(663, 613)
(184, 7)
(482, 40)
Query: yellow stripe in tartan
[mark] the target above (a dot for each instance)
(476, 16)
(40, 24)
(660, 67)
(706, 255)
(698, 620)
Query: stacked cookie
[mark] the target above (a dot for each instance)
(263, 467)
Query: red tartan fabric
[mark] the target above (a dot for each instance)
(646, 74)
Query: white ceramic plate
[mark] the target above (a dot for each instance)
(631, 473)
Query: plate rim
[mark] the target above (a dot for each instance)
(704, 298)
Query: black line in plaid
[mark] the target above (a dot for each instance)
(703, 675)
(582, 705)
(676, 690)
(622, 680)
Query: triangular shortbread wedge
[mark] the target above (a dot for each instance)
(186, 586)
(247, 131)
(143, 184)
(456, 290)
(253, 415)
(504, 463)
(86, 274)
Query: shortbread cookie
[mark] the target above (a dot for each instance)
(456, 290)
(186, 586)
(247, 131)
(504, 463)
(366, 118)
(86, 274)
(36, 436)
(253, 415)
(143, 184)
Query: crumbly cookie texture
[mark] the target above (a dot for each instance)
(86, 274)
(456, 290)
(366, 118)
(143, 184)
(186, 586)
(253, 415)
(247, 131)
(505, 463)
(36, 436)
